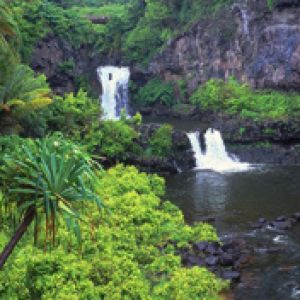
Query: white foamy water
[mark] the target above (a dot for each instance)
(114, 97)
(245, 19)
(195, 143)
(215, 156)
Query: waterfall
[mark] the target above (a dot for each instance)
(114, 97)
(245, 20)
(195, 143)
(215, 156)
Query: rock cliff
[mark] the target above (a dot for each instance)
(67, 66)
(247, 40)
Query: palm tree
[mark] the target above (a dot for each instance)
(9, 35)
(23, 92)
(8, 27)
(49, 181)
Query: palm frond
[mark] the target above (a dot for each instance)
(51, 178)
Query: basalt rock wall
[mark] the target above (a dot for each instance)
(247, 40)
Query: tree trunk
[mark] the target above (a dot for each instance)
(29, 216)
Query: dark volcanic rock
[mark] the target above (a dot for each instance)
(297, 216)
(227, 259)
(179, 159)
(99, 19)
(280, 219)
(213, 248)
(200, 246)
(64, 64)
(282, 225)
(212, 260)
(231, 275)
(246, 40)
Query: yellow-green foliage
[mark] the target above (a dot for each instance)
(23, 91)
(73, 115)
(232, 97)
(160, 143)
(176, 289)
(119, 257)
(117, 139)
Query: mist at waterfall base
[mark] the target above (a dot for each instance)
(114, 99)
(214, 157)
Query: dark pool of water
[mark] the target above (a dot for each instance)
(235, 199)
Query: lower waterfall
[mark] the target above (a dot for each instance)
(214, 157)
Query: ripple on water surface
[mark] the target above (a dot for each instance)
(234, 200)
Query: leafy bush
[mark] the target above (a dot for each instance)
(180, 279)
(160, 142)
(142, 43)
(117, 139)
(73, 115)
(156, 91)
(40, 275)
(119, 255)
(234, 98)
(10, 144)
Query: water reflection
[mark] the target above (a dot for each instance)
(236, 199)
(210, 190)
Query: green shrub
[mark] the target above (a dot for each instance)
(160, 143)
(156, 91)
(270, 3)
(119, 256)
(234, 98)
(73, 115)
(202, 285)
(53, 275)
(117, 139)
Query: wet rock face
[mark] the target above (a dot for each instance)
(274, 142)
(238, 130)
(247, 40)
(64, 64)
(225, 260)
(281, 223)
(179, 159)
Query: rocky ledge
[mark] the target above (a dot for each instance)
(178, 160)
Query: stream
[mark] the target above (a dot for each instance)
(233, 196)
(235, 200)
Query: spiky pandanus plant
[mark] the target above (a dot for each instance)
(47, 183)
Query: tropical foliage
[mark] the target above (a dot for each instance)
(232, 97)
(119, 253)
(117, 139)
(47, 180)
(156, 91)
(160, 143)
(9, 38)
(74, 115)
(24, 92)
(50, 187)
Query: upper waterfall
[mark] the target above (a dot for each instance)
(114, 97)
(215, 156)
